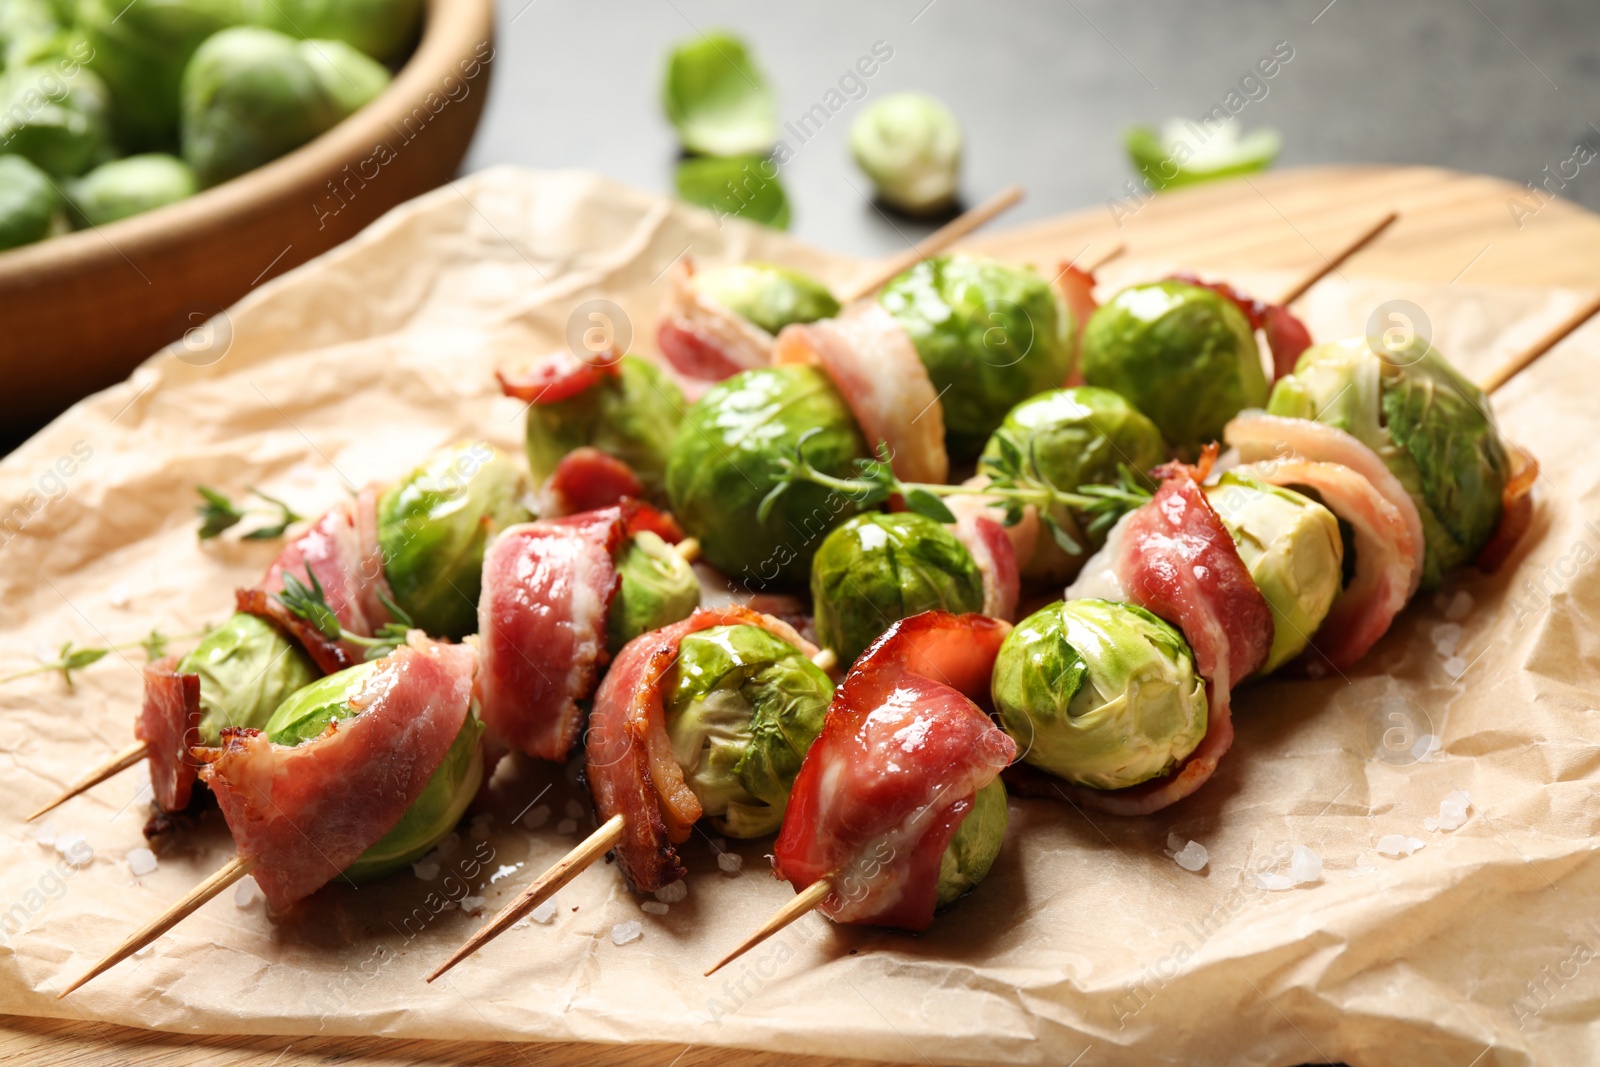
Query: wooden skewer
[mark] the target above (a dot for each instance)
(1115, 252)
(827, 659)
(1332, 264)
(569, 867)
(115, 765)
(688, 549)
(230, 873)
(934, 243)
(1520, 362)
(804, 901)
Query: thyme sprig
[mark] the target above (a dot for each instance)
(310, 603)
(218, 513)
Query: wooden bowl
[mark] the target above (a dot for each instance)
(80, 311)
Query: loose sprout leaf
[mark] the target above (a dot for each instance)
(926, 504)
(217, 513)
(746, 186)
(1173, 157)
(718, 99)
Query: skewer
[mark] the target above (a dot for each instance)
(688, 549)
(230, 872)
(804, 901)
(1520, 362)
(1114, 252)
(113, 766)
(934, 243)
(1333, 263)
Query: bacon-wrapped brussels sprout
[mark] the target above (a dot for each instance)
(767, 296)
(656, 587)
(247, 668)
(631, 415)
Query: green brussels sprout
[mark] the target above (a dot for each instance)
(1431, 426)
(28, 28)
(305, 715)
(380, 28)
(57, 120)
(1101, 694)
(746, 186)
(1292, 547)
(972, 851)
(1183, 354)
(771, 297)
(743, 706)
(991, 335)
(433, 526)
(632, 416)
(909, 144)
(131, 186)
(877, 568)
(251, 94)
(1175, 157)
(140, 51)
(247, 668)
(718, 99)
(726, 459)
(657, 588)
(1069, 438)
(28, 202)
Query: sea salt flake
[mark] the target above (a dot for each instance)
(1446, 636)
(566, 826)
(1424, 747)
(480, 825)
(1305, 866)
(654, 907)
(674, 893)
(118, 595)
(447, 846)
(537, 817)
(730, 862)
(1361, 871)
(503, 872)
(1192, 856)
(1174, 842)
(543, 913)
(1399, 844)
(44, 833)
(425, 869)
(472, 905)
(1273, 881)
(576, 810)
(1459, 606)
(246, 892)
(1455, 667)
(1452, 811)
(141, 861)
(145, 951)
(626, 933)
(520, 924)
(75, 849)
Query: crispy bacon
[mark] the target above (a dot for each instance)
(992, 550)
(168, 724)
(629, 759)
(1516, 510)
(1286, 335)
(902, 753)
(305, 813)
(703, 339)
(587, 479)
(1024, 536)
(559, 375)
(1076, 287)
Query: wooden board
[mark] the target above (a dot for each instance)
(1453, 226)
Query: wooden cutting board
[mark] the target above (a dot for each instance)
(1453, 227)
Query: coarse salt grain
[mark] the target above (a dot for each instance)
(576, 810)
(543, 913)
(472, 905)
(1192, 856)
(1455, 667)
(1452, 812)
(625, 933)
(44, 833)
(1361, 871)
(654, 907)
(425, 869)
(1398, 845)
(1273, 881)
(447, 845)
(1174, 842)
(537, 817)
(480, 825)
(1460, 605)
(1446, 636)
(1425, 746)
(118, 595)
(245, 893)
(1305, 866)
(141, 861)
(730, 862)
(673, 893)
(566, 826)
(75, 849)
(503, 872)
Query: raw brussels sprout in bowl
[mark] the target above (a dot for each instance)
(742, 707)
(306, 714)
(126, 187)
(247, 669)
(28, 202)
(876, 569)
(991, 334)
(380, 28)
(656, 588)
(1101, 694)
(55, 118)
(909, 144)
(1183, 354)
(976, 844)
(770, 297)
(632, 416)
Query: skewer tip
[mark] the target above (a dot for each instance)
(805, 900)
(115, 765)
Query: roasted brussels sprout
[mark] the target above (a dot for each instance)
(632, 416)
(1292, 548)
(380, 28)
(657, 588)
(976, 843)
(718, 99)
(28, 29)
(247, 668)
(743, 706)
(1183, 354)
(1070, 438)
(909, 144)
(57, 120)
(726, 459)
(131, 186)
(306, 714)
(877, 569)
(768, 296)
(28, 202)
(1432, 427)
(991, 334)
(433, 526)
(252, 94)
(1104, 695)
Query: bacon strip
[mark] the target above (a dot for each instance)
(991, 548)
(703, 339)
(902, 753)
(1286, 335)
(878, 372)
(1516, 510)
(558, 376)
(305, 813)
(629, 759)
(168, 723)
(1076, 287)
(587, 479)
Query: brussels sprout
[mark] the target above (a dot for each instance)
(1101, 694)
(28, 28)
(743, 707)
(1183, 354)
(126, 187)
(1069, 438)
(771, 297)
(746, 186)
(28, 202)
(991, 334)
(251, 94)
(433, 526)
(726, 459)
(718, 99)
(877, 569)
(657, 588)
(1292, 547)
(972, 851)
(305, 715)
(1176, 157)
(247, 668)
(632, 416)
(380, 28)
(909, 144)
(55, 118)
(1431, 426)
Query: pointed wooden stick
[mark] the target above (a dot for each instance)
(827, 659)
(1332, 264)
(566, 869)
(115, 765)
(934, 243)
(688, 549)
(1115, 252)
(804, 901)
(230, 873)
(1522, 360)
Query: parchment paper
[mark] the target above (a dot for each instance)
(1086, 941)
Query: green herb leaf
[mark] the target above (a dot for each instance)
(217, 513)
(1059, 535)
(929, 506)
(309, 603)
